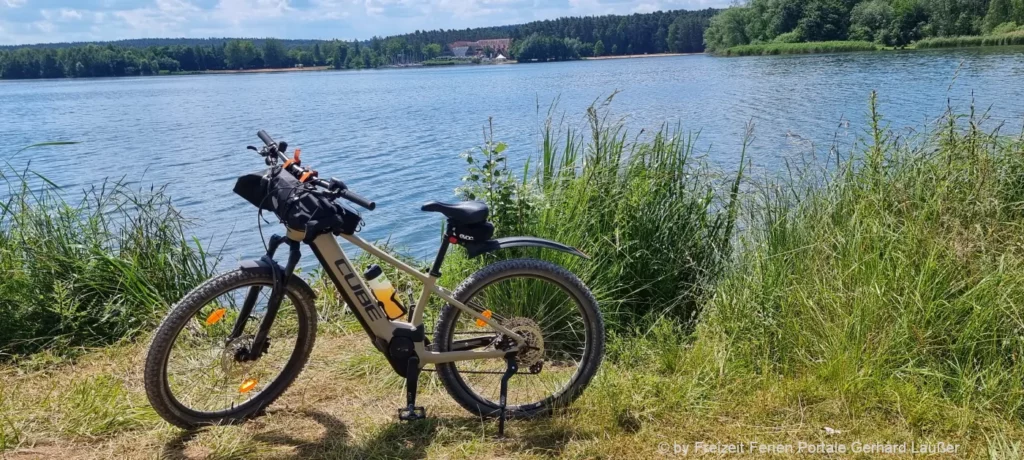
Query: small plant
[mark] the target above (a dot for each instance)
(489, 179)
(10, 434)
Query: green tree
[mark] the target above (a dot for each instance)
(599, 48)
(239, 54)
(431, 50)
(541, 48)
(318, 56)
(728, 29)
(999, 12)
(909, 22)
(824, 20)
(686, 35)
(339, 56)
(872, 21)
(368, 58)
(274, 54)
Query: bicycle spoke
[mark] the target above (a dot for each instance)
(524, 301)
(202, 370)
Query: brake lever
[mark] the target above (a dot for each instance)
(337, 185)
(254, 149)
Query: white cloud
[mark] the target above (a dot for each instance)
(163, 17)
(63, 14)
(45, 27)
(330, 9)
(238, 11)
(14, 3)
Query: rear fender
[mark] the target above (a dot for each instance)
(476, 249)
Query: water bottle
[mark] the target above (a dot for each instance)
(384, 292)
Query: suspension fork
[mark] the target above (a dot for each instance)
(277, 293)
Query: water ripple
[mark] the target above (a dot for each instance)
(395, 136)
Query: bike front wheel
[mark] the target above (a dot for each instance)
(200, 372)
(544, 303)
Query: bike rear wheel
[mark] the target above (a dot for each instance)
(196, 374)
(534, 298)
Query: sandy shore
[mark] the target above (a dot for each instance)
(631, 56)
(287, 69)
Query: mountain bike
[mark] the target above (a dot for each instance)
(235, 343)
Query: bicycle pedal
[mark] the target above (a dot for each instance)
(406, 414)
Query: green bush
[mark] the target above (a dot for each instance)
(87, 273)
(788, 37)
(1006, 28)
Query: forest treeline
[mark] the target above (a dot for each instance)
(559, 39)
(886, 22)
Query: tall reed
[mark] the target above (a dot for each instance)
(898, 281)
(1007, 39)
(657, 222)
(799, 48)
(88, 272)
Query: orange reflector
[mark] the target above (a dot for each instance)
(247, 385)
(485, 314)
(216, 316)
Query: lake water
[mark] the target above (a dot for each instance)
(395, 135)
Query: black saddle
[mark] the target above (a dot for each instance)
(466, 212)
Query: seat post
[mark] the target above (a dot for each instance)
(435, 270)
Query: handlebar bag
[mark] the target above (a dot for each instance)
(298, 205)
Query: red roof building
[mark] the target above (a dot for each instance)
(463, 48)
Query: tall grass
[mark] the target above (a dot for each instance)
(1007, 39)
(657, 222)
(799, 48)
(88, 272)
(897, 283)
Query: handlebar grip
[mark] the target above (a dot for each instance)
(357, 199)
(265, 138)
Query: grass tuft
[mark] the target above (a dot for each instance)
(1007, 39)
(655, 219)
(895, 285)
(91, 272)
(765, 49)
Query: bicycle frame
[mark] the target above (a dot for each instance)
(354, 292)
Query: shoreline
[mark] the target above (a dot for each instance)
(638, 56)
(284, 69)
(851, 46)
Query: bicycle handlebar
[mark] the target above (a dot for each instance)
(265, 138)
(335, 187)
(358, 199)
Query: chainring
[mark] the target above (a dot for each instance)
(532, 352)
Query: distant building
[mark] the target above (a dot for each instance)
(479, 48)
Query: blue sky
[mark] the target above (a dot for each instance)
(43, 21)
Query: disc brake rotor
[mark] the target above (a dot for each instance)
(229, 362)
(530, 353)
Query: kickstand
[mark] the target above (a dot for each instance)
(511, 369)
(411, 411)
